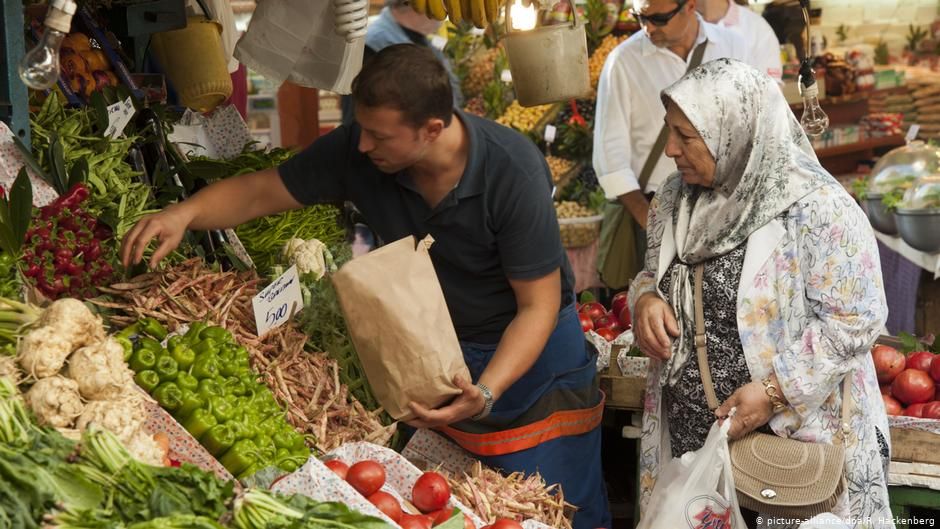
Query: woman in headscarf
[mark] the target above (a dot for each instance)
(792, 288)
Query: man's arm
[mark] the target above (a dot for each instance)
(613, 142)
(538, 301)
(224, 204)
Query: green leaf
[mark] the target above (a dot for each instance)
(101, 111)
(57, 159)
(909, 343)
(79, 172)
(29, 159)
(21, 205)
(587, 296)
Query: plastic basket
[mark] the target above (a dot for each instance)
(580, 231)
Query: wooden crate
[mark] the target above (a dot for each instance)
(915, 446)
(622, 392)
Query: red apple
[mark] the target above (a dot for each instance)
(624, 317)
(915, 410)
(932, 410)
(594, 310)
(606, 334)
(586, 323)
(608, 322)
(935, 368)
(889, 362)
(618, 302)
(892, 406)
(920, 360)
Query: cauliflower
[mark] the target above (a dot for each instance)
(143, 447)
(311, 257)
(74, 321)
(55, 401)
(43, 352)
(123, 416)
(100, 370)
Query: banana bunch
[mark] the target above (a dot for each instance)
(480, 12)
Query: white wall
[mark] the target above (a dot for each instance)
(868, 20)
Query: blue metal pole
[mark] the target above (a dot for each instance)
(14, 100)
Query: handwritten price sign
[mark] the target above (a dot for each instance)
(278, 302)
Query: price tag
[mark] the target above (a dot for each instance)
(505, 76)
(912, 132)
(438, 42)
(550, 131)
(119, 115)
(277, 302)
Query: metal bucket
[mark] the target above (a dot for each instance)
(549, 63)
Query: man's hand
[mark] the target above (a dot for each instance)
(637, 205)
(754, 409)
(469, 403)
(167, 226)
(654, 326)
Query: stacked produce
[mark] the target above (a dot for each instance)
(607, 323)
(66, 249)
(481, 72)
(494, 496)
(559, 167)
(579, 225)
(204, 380)
(75, 376)
(599, 57)
(47, 480)
(84, 68)
(909, 379)
(523, 119)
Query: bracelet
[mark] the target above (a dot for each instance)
(771, 390)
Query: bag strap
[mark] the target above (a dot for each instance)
(702, 354)
(660, 142)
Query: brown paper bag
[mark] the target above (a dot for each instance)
(399, 323)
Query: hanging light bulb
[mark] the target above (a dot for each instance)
(523, 18)
(39, 69)
(814, 121)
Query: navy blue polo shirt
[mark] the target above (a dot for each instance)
(498, 224)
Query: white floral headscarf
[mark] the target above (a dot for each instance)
(764, 163)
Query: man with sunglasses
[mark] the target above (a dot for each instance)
(628, 134)
(757, 33)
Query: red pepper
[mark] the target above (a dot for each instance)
(33, 271)
(75, 196)
(102, 232)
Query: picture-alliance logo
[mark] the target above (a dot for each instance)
(708, 512)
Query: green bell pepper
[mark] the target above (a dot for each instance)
(240, 456)
(288, 465)
(153, 328)
(186, 381)
(151, 344)
(183, 355)
(148, 380)
(199, 422)
(205, 347)
(189, 402)
(221, 408)
(143, 360)
(242, 428)
(127, 345)
(128, 331)
(208, 388)
(284, 438)
(166, 367)
(265, 446)
(300, 445)
(234, 387)
(206, 367)
(174, 341)
(169, 395)
(218, 439)
(218, 334)
(252, 469)
(192, 335)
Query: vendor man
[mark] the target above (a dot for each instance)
(415, 166)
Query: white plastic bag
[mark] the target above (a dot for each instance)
(697, 490)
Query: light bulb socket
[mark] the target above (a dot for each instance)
(807, 74)
(59, 16)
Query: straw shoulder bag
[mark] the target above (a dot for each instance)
(774, 475)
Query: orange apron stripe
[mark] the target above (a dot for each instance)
(558, 424)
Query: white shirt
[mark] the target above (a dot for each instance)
(758, 35)
(630, 112)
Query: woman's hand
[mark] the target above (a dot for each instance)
(754, 409)
(654, 326)
(469, 403)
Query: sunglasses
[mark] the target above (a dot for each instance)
(659, 19)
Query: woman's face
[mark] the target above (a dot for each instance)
(687, 148)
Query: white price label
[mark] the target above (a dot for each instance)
(912, 132)
(550, 131)
(119, 115)
(505, 76)
(438, 42)
(277, 302)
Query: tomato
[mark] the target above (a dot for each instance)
(932, 410)
(913, 386)
(935, 369)
(889, 362)
(624, 317)
(606, 334)
(367, 477)
(338, 467)
(586, 323)
(885, 389)
(415, 521)
(506, 523)
(618, 302)
(593, 310)
(915, 410)
(440, 516)
(892, 406)
(387, 504)
(920, 360)
(430, 492)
